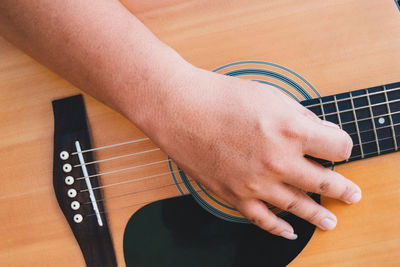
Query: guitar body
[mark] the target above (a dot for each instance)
(337, 46)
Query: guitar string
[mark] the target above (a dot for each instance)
(271, 207)
(169, 172)
(152, 189)
(374, 141)
(117, 157)
(144, 202)
(363, 107)
(129, 181)
(157, 149)
(148, 177)
(372, 153)
(134, 193)
(157, 175)
(169, 160)
(319, 104)
(120, 208)
(155, 188)
(112, 145)
(125, 169)
(129, 206)
(354, 97)
(137, 192)
(364, 119)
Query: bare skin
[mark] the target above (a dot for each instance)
(243, 140)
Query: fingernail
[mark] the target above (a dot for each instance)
(354, 198)
(330, 124)
(327, 224)
(289, 235)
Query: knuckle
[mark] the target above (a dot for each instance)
(324, 187)
(275, 166)
(270, 225)
(346, 192)
(256, 221)
(253, 186)
(229, 195)
(292, 205)
(346, 148)
(235, 195)
(272, 228)
(292, 131)
(312, 216)
(307, 137)
(266, 225)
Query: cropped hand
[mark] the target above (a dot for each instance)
(246, 142)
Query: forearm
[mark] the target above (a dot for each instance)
(102, 49)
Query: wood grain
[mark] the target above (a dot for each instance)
(337, 45)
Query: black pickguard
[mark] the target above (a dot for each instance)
(178, 232)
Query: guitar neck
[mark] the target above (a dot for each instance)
(370, 116)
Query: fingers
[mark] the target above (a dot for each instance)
(258, 213)
(312, 177)
(321, 139)
(297, 202)
(326, 140)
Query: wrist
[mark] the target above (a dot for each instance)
(156, 94)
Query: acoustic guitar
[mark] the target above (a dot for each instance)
(81, 186)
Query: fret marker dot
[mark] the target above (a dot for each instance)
(381, 120)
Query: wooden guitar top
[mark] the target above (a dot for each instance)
(337, 46)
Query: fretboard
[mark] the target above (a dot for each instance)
(370, 116)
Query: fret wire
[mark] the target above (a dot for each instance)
(323, 114)
(338, 115)
(373, 105)
(322, 109)
(356, 123)
(337, 112)
(390, 117)
(373, 122)
(354, 97)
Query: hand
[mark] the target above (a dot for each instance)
(246, 143)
